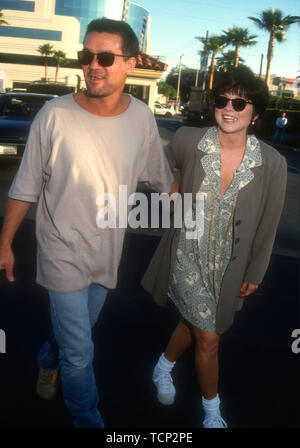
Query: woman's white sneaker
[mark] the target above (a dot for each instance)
(164, 386)
(214, 421)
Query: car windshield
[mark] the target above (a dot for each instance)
(20, 107)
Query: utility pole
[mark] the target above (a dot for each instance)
(205, 63)
(178, 84)
(261, 63)
(203, 58)
(197, 73)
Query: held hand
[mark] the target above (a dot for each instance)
(174, 188)
(7, 262)
(247, 289)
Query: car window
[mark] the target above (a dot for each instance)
(13, 107)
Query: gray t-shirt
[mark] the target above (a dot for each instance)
(72, 157)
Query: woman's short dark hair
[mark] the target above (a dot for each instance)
(130, 43)
(242, 81)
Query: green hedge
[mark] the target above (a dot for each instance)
(277, 102)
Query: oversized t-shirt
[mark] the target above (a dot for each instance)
(72, 158)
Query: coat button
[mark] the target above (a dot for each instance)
(238, 222)
(237, 240)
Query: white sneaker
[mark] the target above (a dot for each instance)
(214, 421)
(164, 386)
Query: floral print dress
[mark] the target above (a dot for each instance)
(201, 262)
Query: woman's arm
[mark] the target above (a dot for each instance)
(265, 234)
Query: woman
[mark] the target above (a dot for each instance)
(242, 181)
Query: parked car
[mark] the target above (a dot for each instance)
(159, 109)
(47, 88)
(17, 111)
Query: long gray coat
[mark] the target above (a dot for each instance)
(256, 218)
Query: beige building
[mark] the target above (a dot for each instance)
(35, 23)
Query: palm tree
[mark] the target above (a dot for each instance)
(2, 21)
(226, 61)
(212, 45)
(46, 50)
(238, 37)
(272, 20)
(60, 58)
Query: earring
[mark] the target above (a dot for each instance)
(253, 122)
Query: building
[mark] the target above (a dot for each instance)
(62, 24)
(282, 86)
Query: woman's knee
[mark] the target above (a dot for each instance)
(207, 341)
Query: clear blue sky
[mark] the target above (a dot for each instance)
(175, 23)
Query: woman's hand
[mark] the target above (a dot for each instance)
(247, 289)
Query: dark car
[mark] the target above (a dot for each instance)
(17, 111)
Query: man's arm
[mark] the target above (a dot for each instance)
(14, 214)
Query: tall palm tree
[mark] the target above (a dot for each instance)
(60, 58)
(212, 45)
(238, 37)
(2, 21)
(272, 20)
(226, 60)
(46, 51)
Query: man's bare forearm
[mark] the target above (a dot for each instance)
(14, 214)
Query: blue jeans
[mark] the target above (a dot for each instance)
(278, 135)
(70, 347)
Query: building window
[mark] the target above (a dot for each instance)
(17, 5)
(30, 33)
(138, 91)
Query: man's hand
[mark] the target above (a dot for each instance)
(247, 289)
(7, 261)
(174, 188)
(14, 215)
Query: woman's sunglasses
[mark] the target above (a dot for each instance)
(238, 104)
(104, 58)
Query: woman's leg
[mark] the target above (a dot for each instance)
(206, 361)
(180, 340)
(207, 368)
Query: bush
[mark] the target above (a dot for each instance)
(277, 102)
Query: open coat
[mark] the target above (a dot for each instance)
(256, 218)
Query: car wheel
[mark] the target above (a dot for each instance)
(168, 115)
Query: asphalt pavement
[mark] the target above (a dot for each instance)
(259, 373)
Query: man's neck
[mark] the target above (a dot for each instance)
(103, 106)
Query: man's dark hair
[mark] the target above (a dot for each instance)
(242, 81)
(130, 43)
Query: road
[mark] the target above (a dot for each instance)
(259, 372)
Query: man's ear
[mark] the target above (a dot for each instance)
(131, 63)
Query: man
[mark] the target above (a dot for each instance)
(280, 124)
(80, 147)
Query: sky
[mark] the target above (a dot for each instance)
(176, 23)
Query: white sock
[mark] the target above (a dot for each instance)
(211, 406)
(164, 364)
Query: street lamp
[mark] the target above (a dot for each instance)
(178, 84)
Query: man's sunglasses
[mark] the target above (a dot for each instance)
(238, 104)
(104, 58)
